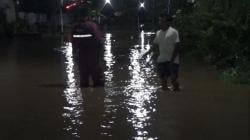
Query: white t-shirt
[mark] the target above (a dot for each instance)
(166, 41)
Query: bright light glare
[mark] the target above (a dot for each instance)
(107, 2)
(73, 109)
(142, 5)
(71, 6)
(140, 92)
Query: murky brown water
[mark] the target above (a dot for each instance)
(41, 99)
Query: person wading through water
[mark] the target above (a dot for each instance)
(166, 43)
(87, 42)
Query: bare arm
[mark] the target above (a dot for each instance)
(154, 48)
(176, 52)
(177, 47)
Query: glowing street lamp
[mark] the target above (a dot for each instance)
(142, 5)
(107, 2)
(141, 14)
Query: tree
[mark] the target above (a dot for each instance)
(39, 6)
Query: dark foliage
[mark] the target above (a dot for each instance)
(218, 32)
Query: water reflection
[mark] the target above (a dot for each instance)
(134, 95)
(73, 108)
(142, 38)
(110, 108)
(108, 57)
(140, 91)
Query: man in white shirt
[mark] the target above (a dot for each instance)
(166, 42)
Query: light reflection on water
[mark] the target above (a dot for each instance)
(140, 92)
(108, 57)
(72, 93)
(110, 108)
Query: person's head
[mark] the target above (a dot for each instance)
(82, 12)
(165, 20)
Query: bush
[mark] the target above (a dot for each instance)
(218, 33)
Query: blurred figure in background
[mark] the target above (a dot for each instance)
(108, 13)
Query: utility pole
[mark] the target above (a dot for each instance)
(169, 3)
(154, 13)
(61, 16)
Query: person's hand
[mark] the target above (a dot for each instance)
(144, 55)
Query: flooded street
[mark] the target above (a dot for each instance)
(41, 98)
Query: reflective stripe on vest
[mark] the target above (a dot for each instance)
(82, 36)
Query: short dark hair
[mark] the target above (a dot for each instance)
(82, 11)
(164, 14)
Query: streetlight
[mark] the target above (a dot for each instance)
(107, 2)
(142, 5)
(141, 14)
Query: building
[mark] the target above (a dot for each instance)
(8, 9)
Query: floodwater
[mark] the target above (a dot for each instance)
(40, 97)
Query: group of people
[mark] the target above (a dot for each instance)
(88, 51)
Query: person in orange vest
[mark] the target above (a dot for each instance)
(88, 49)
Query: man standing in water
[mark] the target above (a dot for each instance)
(88, 49)
(166, 42)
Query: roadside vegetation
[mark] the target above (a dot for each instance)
(217, 32)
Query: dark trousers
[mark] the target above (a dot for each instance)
(169, 70)
(89, 70)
